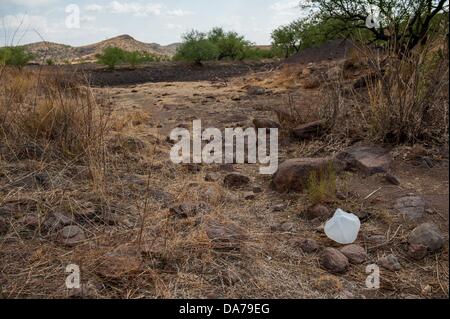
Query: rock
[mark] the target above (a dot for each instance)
(212, 177)
(368, 160)
(390, 262)
(392, 179)
(334, 261)
(263, 123)
(126, 143)
(417, 251)
(285, 227)
(427, 235)
(235, 98)
(57, 220)
(317, 211)
(187, 210)
(256, 90)
(294, 174)
(310, 130)
(308, 245)
(278, 208)
(162, 197)
(249, 196)
(4, 226)
(71, 235)
(257, 189)
(355, 254)
(224, 235)
(236, 180)
(412, 207)
(122, 262)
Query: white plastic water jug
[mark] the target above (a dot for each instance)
(343, 228)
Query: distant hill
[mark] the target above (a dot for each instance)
(60, 53)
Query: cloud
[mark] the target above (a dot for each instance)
(178, 13)
(135, 8)
(93, 7)
(24, 22)
(284, 8)
(29, 3)
(172, 26)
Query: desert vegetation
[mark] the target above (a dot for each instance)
(362, 112)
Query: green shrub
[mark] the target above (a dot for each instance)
(196, 48)
(230, 45)
(111, 57)
(15, 56)
(50, 62)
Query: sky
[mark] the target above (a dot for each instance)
(160, 21)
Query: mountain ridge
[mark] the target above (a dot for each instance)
(59, 53)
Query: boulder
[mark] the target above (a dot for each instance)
(310, 130)
(334, 261)
(427, 235)
(293, 175)
(355, 254)
(368, 160)
(119, 263)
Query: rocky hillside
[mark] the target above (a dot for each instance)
(61, 53)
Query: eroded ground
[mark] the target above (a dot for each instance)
(140, 247)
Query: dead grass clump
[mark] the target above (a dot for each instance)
(322, 186)
(64, 120)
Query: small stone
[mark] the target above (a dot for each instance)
(236, 180)
(412, 207)
(317, 211)
(212, 177)
(249, 196)
(86, 291)
(56, 221)
(308, 245)
(257, 189)
(30, 221)
(392, 179)
(390, 262)
(278, 208)
(256, 90)
(427, 235)
(334, 261)
(119, 263)
(71, 235)
(355, 254)
(225, 235)
(285, 227)
(188, 210)
(376, 239)
(417, 251)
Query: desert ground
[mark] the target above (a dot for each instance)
(143, 227)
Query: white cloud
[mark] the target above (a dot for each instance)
(93, 7)
(24, 22)
(88, 18)
(135, 8)
(29, 2)
(178, 13)
(172, 26)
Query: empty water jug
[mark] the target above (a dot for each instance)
(343, 228)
